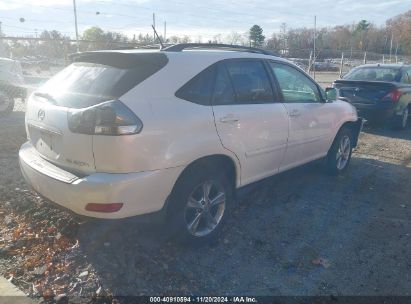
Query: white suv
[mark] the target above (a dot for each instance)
(177, 131)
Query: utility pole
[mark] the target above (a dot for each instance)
(75, 24)
(165, 32)
(315, 36)
(1, 42)
(310, 62)
(396, 53)
(154, 26)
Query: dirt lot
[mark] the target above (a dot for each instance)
(300, 233)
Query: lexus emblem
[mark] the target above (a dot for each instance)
(41, 114)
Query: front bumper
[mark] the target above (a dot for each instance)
(140, 193)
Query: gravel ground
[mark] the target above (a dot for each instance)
(299, 233)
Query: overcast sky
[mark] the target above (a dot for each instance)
(193, 18)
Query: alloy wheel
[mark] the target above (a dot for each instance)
(343, 152)
(205, 208)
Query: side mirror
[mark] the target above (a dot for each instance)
(331, 93)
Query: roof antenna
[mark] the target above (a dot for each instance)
(158, 37)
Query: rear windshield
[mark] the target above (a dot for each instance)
(99, 77)
(373, 74)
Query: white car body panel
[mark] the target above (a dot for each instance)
(257, 134)
(134, 190)
(50, 135)
(313, 127)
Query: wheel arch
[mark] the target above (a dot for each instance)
(212, 161)
(355, 128)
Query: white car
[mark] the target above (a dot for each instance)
(177, 132)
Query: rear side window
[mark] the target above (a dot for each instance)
(250, 81)
(223, 91)
(233, 81)
(199, 89)
(97, 77)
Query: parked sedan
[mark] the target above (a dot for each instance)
(380, 92)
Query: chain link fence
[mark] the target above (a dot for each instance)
(329, 65)
(26, 63)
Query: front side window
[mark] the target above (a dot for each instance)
(250, 81)
(294, 85)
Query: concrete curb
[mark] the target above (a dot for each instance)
(11, 294)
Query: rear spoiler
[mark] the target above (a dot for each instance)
(121, 60)
(363, 82)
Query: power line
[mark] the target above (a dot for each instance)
(15, 38)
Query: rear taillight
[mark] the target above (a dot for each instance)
(108, 118)
(392, 96)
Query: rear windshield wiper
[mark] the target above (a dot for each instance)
(46, 96)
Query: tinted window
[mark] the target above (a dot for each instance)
(223, 89)
(250, 81)
(294, 85)
(406, 77)
(199, 89)
(373, 74)
(98, 77)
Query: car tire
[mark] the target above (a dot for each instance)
(6, 104)
(400, 121)
(339, 155)
(195, 218)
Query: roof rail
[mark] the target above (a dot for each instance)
(228, 47)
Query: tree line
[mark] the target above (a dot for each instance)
(394, 37)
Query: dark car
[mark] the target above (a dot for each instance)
(380, 92)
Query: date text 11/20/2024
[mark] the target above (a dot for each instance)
(194, 299)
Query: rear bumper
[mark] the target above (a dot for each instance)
(377, 111)
(140, 193)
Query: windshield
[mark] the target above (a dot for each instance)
(373, 74)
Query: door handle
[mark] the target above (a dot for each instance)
(229, 118)
(294, 113)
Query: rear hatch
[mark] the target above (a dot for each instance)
(61, 115)
(361, 92)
